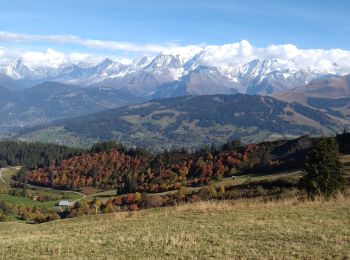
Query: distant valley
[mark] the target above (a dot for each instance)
(191, 122)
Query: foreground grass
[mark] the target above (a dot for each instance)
(221, 230)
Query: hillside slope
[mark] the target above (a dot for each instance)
(191, 122)
(223, 230)
(332, 87)
(331, 95)
(52, 100)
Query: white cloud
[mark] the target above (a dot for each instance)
(333, 60)
(7, 55)
(72, 39)
(50, 57)
(231, 54)
(125, 61)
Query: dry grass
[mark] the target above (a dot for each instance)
(224, 230)
(6, 174)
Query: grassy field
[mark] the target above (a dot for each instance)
(226, 182)
(59, 135)
(71, 195)
(223, 230)
(7, 174)
(16, 200)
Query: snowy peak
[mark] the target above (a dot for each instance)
(165, 62)
(194, 68)
(17, 69)
(107, 67)
(143, 61)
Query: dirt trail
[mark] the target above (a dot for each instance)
(1, 178)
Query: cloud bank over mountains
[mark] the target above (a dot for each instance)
(335, 61)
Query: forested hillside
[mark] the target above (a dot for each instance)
(132, 170)
(192, 122)
(31, 155)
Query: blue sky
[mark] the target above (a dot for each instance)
(306, 24)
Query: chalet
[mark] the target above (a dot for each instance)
(64, 203)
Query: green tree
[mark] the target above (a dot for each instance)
(324, 173)
(265, 159)
(131, 184)
(94, 173)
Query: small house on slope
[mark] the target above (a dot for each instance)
(64, 203)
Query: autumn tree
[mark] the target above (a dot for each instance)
(96, 204)
(109, 207)
(212, 190)
(137, 196)
(181, 193)
(222, 189)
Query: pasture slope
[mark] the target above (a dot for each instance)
(222, 230)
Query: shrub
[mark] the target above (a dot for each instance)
(181, 193)
(153, 201)
(222, 189)
(133, 207)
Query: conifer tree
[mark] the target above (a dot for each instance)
(324, 173)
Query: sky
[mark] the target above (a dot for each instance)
(126, 29)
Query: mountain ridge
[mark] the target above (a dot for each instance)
(192, 122)
(50, 101)
(146, 77)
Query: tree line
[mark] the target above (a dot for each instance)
(32, 155)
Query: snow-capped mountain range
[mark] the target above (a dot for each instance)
(167, 74)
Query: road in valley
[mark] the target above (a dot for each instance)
(66, 191)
